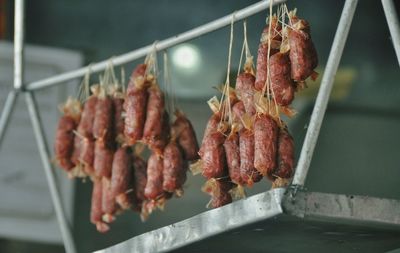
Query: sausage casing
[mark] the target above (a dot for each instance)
(174, 172)
(154, 185)
(64, 142)
(282, 85)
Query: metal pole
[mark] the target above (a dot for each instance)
(324, 92)
(161, 45)
(51, 180)
(6, 113)
(393, 23)
(19, 22)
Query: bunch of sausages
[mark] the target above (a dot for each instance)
(103, 137)
(254, 142)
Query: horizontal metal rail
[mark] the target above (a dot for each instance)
(161, 45)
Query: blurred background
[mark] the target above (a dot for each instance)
(357, 152)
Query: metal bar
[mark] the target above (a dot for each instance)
(163, 44)
(393, 23)
(324, 92)
(6, 113)
(19, 22)
(51, 180)
(253, 209)
(347, 207)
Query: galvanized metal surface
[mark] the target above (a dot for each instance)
(393, 23)
(253, 209)
(19, 32)
(324, 92)
(161, 45)
(37, 125)
(347, 207)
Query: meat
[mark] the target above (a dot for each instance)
(262, 54)
(119, 123)
(87, 156)
(303, 56)
(245, 89)
(265, 144)
(103, 122)
(135, 108)
(103, 160)
(232, 151)
(238, 111)
(152, 132)
(211, 128)
(219, 191)
(138, 78)
(282, 85)
(108, 204)
(186, 137)
(174, 171)
(285, 155)
(248, 173)
(213, 156)
(121, 178)
(154, 185)
(85, 128)
(77, 150)
(139, 181)
(96, 212)
(64, 142)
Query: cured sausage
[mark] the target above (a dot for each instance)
(77, 150)
(103, 122)
(248, 173)
(108, 204)
(154, 185)
(265, 144)
(186, 137)
(174, 172)
(262, 54)
(303, 56)
(119, 123)
(85, 127)
(64, 142)
(96, 212)
(139, 182)
(103, 160)
(212, 126)
(238, 111)
(121, 177)
(282, 85)
(285, 155)
(213, 156)
(232, 151)
(219, 191)
(138, 78)
(152, 132)
(87, 156)
(245, 89)
(135, 108)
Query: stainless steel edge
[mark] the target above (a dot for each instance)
(346, 207)
(19, 25)
(259, 207)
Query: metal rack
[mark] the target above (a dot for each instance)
(292, 201)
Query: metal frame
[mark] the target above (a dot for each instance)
(230, 213)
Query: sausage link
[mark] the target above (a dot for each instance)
(119, 123)
(186, 137)
(248, 173)
(174, 172)
(87, 156)
(154, 185)
(64, 142)
(103, 122)
(77, 150)
(232, 151)
(265, 144)
(282, 85)
(96, 212)
(213, 156)
(285, 155)
(135, 108)
(245, 90)
(138, 79)
(103, 160)
(212, 126)
(108, 204)
(221, 195)
(139, 182)
(121, 178)
(85, 127)
(303, 55)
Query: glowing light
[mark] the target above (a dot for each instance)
(186, 56)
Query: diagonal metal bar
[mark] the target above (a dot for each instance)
(161, 45)
(393, 23)
(324, 92)
(6, 113)
(45, 156)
